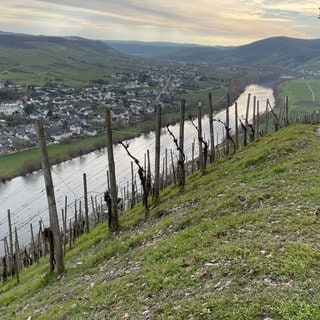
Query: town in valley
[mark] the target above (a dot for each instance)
(74, 112)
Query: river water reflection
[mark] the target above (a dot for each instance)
(26, 198)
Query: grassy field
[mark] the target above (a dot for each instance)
(303, 93)
(241, 242)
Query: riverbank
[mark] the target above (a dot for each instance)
(24, 162)
(25, 195)
(27, 161)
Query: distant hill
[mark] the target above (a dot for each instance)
(77, 61)
(68, 60)
(148, 49)
(278, 52)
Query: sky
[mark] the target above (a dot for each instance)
(205, 22)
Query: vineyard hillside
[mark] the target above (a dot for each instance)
(240, 242)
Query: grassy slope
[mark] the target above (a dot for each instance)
(241, 242)
(69, 63)
(300, 95)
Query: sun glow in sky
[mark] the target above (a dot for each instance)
(207, 22)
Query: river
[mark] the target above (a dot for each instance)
(26, 198)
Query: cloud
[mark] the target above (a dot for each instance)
(227, 22)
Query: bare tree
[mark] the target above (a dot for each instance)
(204, 148)
(146, 186)
(228, 129)
(181, 160)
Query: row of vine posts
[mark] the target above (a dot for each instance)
(53, 240)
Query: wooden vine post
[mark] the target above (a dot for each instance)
(17, 257)
(65, 225)
(266, 126)
(246, 120)
(34, 255)
(113, 184)
(133, 192)
(287, 122)
(227, 122)
(181, 169)
(212, 143)
(254, 136)
(86, 208)
(157, 156)
(53, 215)
(257, 128)
(148, 178)
(11, 260)
(236, 124)
(199, 129)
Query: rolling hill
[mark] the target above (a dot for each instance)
(76, 61)
(68, 60)
(276, 52)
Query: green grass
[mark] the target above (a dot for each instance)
(71, 63)
(300, 95)
(241, 242)
(23, 162)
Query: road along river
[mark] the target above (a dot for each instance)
(25, 196)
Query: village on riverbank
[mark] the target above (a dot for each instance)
(71, 112)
